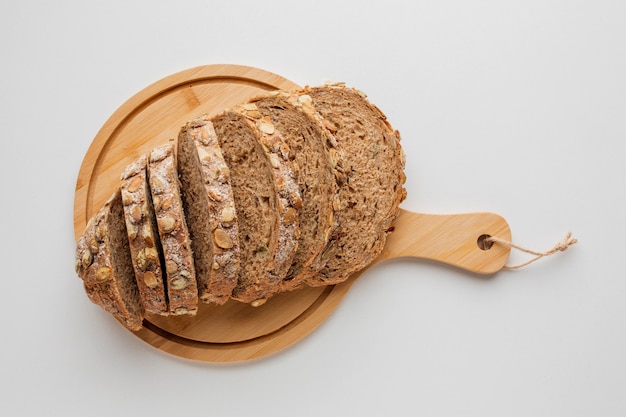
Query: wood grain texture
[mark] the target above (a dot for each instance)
(449, 238)
(236, 332)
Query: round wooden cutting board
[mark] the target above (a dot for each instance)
(235, 331)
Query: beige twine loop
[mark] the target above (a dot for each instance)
(567, 241)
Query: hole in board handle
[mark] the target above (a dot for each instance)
(483, 242)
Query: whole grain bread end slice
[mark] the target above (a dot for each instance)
(104, 264)
(210, 209)
(369, 198)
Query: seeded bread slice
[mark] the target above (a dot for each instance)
(313, 150)
(210, 210)
(373, 190)
(267, 201)
(182, 288)
(145, 247)
(104, 264)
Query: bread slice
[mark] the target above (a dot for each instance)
(104, 264)
(370, 197)
(267, 201)
(313, 151)
(182, 289)
(210, 209)
(143, 238)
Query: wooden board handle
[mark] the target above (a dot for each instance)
(452, 239)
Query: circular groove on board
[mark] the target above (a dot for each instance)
(193, 342)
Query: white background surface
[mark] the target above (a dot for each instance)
(516, 107)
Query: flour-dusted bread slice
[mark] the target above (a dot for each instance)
(314, 152)
(267, 202)
(210, 210)
(370, 197)
(104, 264)
(143, 237)
(182, 289)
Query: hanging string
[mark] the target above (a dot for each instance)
(567, 241)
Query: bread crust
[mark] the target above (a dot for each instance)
(145, 247)
(180, 272)
(222, 222)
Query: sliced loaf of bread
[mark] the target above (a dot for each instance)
(210, 210)
(182, 289)
(286, 190)
(104, 264)
(143, 238)
(373, 189)
(266, 198)
(318, 166)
